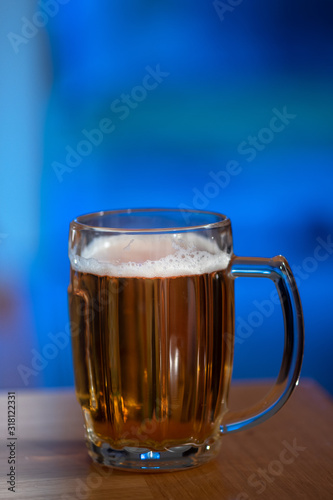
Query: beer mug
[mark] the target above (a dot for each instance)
(151, 301)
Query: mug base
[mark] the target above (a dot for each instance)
(145, 460)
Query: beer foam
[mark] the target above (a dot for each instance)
(150, 256)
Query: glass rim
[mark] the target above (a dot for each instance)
(80, 222)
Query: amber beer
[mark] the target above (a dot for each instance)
(152, 319)
(152, 350)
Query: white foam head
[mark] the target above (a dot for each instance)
(150, 256)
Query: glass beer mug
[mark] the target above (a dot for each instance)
(151, 301)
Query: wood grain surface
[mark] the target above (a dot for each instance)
(288, 457)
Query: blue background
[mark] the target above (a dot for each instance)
(227, 73)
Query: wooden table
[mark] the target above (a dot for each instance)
(287, 457)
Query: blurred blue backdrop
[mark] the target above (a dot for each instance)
(175, 104)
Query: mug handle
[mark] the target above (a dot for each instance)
(277, 269)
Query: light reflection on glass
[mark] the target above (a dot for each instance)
(149, 454)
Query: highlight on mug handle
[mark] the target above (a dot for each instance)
(277, 269)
